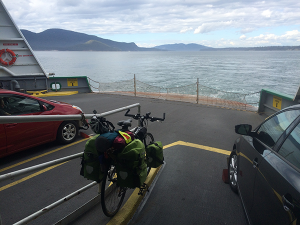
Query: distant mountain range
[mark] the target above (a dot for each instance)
(196, 47)
(266, 48)
(65, 40)
(183, 47)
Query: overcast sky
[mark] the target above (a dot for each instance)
(148, 23)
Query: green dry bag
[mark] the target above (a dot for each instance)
(90, 164)
(155, 155)
(131, 165)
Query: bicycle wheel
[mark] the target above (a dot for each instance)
(148, 140)
(112, 196)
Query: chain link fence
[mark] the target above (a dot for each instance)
(194, 93)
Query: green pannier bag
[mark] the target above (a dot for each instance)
(90, 168)
(131, 165)
(155, 155)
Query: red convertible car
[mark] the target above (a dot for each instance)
(16, 137)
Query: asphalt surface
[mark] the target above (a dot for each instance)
(189, 190)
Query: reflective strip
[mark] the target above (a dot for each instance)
(126, 137)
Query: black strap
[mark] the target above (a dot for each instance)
(109, 125)
(82, 165)
(157, 145)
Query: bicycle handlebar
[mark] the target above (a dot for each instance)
(156, 119)
(131, 115)
(147, 116)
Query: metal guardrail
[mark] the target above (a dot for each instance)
(44, 118)
(26, 119)
(193, 92)
(38, 167)
(55, 204)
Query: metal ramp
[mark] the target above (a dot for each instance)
(19, 67)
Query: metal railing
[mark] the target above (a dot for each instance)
(44, 118)
(193, 92)
(26, 119)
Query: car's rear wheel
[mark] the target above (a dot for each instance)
(67, 132)
(233, 172)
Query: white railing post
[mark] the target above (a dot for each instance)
(134, 85)
(43, 118)
(38, 167)
(139, 112)
(197, 90)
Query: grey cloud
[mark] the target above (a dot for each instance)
(67, 3)
(136, 16)
(208, 27)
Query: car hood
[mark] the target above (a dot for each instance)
(59, 102)
(67, 104)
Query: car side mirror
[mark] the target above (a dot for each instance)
(44, 108)
(243, 129)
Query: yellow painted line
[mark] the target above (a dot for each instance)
(170, 145)
(225, 152)
(47, 94)
(58, 93)
(131, 205)
(39, 156)
(37, 92)
(29, 177)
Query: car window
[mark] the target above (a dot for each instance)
(16, 105)
(48, 106)
(290, 149)
(270, 131)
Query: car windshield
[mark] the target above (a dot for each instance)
(290, 149)
(270, 131)
(17, 105)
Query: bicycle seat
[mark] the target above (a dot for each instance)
(126, 123)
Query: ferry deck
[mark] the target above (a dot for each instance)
(189, 188)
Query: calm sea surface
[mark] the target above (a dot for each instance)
(243, 72)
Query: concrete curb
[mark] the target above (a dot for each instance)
(128, 210)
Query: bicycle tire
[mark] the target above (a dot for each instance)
(112, 196)
(148, 139)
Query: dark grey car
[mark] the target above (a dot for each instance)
(264, 168)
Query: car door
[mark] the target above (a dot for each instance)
(249, 156)
(2, 140)
(271, 185)
(43, 131)
(25, 135)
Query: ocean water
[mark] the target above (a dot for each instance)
(233, 71)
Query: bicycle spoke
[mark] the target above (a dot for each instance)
(112, 196)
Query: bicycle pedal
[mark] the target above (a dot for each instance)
(143, 188)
